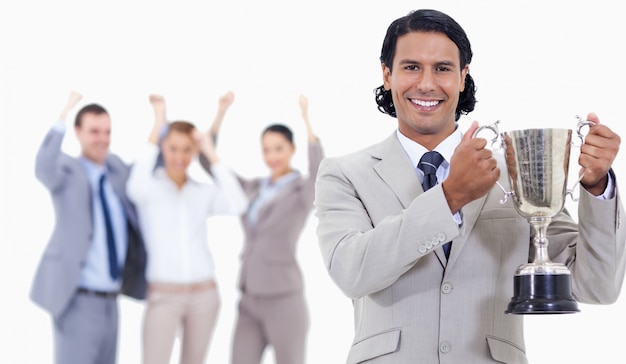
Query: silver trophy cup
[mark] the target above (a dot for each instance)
(537, 161)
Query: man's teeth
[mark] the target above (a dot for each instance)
(425, 103)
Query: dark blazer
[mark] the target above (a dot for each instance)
(381, 235)
(59, 270)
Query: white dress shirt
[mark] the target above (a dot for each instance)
(174, 221)
(445, 148)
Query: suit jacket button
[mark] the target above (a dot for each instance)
(445, 347)
(422, 249)
(446, 288)
(441, 237)
(429, 244)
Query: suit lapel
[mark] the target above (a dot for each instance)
(394, 168)
(287, 190)
(114, 179)
(470, 214)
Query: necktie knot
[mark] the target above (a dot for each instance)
(429, 163)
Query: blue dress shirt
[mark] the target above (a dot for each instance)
(95, 273)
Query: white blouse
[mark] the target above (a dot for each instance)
(174, 221)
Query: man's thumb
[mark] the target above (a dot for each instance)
(469, 134)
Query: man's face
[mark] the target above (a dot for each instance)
(425, 85)
(94, 136)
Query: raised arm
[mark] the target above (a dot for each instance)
(304, 110)
(72, 101)
(231, 199)
(160, 120)
(139, 182)
(46, 166)
(315, 153)
(206, 147)
(224, 103)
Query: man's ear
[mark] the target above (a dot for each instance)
(386, 77)
(464, 73)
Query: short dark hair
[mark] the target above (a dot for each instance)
(427, 20)
(90, 108)
(281, 129)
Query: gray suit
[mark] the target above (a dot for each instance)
(269, 266)
(59, 272)
(381, 237)
(272, 309)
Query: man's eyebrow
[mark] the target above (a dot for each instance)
(440, 63)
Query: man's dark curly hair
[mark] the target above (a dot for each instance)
(427, 20)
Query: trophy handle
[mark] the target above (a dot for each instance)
(579, 127)
(494, 128)
(570, 191)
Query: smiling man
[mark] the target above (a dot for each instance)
(412, 230)
(96, 249)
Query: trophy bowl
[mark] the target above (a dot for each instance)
(537, 161)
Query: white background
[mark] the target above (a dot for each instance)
(536, 64)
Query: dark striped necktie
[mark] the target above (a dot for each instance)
(110, 236)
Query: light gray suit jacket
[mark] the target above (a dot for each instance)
(380, 236)
(59, 270)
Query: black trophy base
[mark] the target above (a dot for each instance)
(542, 294)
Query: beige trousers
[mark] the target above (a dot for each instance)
(188, 310)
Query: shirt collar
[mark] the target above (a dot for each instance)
(94, 171)
(415, 150)
(282, 180)
(160, 173)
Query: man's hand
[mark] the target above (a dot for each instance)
(72, 101)
(597, 155)
(473, 171)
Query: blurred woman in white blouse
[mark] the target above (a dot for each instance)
(173, 210)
